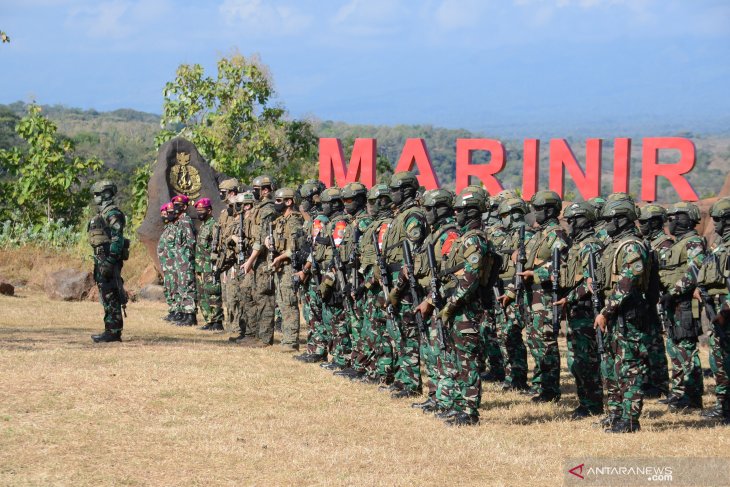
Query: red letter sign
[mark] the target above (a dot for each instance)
(362, 162)
(588, 183)
(621, 165)
(415, 152)
(530, 166)
(485, 172)
(651, 169)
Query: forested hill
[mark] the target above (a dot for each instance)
(124, 139)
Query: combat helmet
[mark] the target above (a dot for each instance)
(652, 211)
(471, 199)
(104, 185)
(403, 179)
(721, 208)
(547, 198)
(378, 190)
(352, 190)
(440, 196)
(624, 207)
(508, 205)
(584, 209)
(264, 180)
(308, 189)
(331, 194)
(230, 184)
(247, 198)
(286, 194)
(318, 185)
(690, 209)
(598, 203)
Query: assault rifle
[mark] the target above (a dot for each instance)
(519, 268)
(352, 260)
(556, 285)
(384, 277)
(435, 294)
(341, 282)
(707, 301)
(214, 250)
(595, 299)
(315, 264)
(240, 255)
(408, 264)
(270, 254)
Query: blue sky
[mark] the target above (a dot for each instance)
(524, 67)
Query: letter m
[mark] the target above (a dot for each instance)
(332, 162)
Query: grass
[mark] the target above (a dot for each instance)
(173, 406)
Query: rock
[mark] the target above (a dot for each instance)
(68, 285)
(149, 276)
(93, 294)
(152, 292)
(6, 289)
(180, 169)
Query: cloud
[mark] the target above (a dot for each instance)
(270, 18)
(457, 14)
(370, 17)
(116, 19)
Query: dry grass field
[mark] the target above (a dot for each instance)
(173, 406)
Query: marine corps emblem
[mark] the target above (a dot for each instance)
(183, 177)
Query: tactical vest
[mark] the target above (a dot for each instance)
(396, 234)
(611, 266)
(367, 251)
(98, 231)
(288, 232)
(348, 245)
(505, 250)
(456, 259)
(442, 239)
(539, 248)
(336, 229)
(714, 272)
(577, 263)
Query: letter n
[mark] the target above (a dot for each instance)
(562, 157)
(332, 162)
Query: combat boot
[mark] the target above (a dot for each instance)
(670, 399)
(107, 337)
(462, 419)
(515, 386)
(188, 319)
(716, 412)
(331, 366)
(169, 317)
(175, 317)
(347, 372)
(366, 379)
(434, 408)
(447, 414)
(625, 426)
(583, 412)
(608, 421)
(653, 392)
(313, 358)
(421, 405)
(205, 327)
(545, 397)
(216, 326)
(685, 405)
(492, 376)
(402, 394)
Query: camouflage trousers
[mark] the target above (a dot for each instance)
(184, 287)
(491, 357)
(167, 282)
(316, 334)
(511, 345)
(686, 379)
(258, 305)
(239, 286)
(432, 352)
(357, 323)
(658, 368)
(337, 321)
(542, 341)
(720, 364)
(584, 362)
(109, 290)
(209, 297)
(378, 347)
(408, 365)
(627, 348)
(286, 302)
(228, 293)
(460, 388)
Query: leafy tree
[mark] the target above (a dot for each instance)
(44, 179)
(234, 124)
(4, 37)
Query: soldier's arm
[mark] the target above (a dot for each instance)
(630, 273)
(468, 277)
(696, 256)
(116, 230)
(543, 272)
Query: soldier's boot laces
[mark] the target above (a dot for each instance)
(107, 337)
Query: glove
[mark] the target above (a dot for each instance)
(447, 312)
(325, 290)
(106, 269)
(394, 296)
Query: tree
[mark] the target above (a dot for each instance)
(4, 37)
(44, 178)
(234, 124)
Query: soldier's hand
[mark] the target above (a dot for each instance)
(269, 244)
(394, 296)
(301, 276)
(720, 318)
(560, 302)
(425, 308)
(527, 275)
(246, 267)
(600, 322)
(697, 295)
(504, 300)
(514, 257)
(106, 269)
(448, 312)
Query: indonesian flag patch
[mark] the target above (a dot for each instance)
(339, 232)
(381, 234)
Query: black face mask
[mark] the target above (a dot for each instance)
(679, 224)
(202, 216)
(645, 228)
(256, 193)
(614, 226)
(165, 218)
(541, 215)
(327, 209)
(719, 226)
(222, 195)
(578, 226)
(431, 216)
(397, 196)
(229, 211)
(279, 207)
(306, 205)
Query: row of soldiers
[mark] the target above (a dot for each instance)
(392, 283)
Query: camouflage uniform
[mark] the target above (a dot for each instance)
(183, 266)
(208, 283)
(409, 223)
(288, 238)
(166, 260)
(583, 358)
(625, 265)
(542, 338)
(679, 280)
(106, 236)
(317, 335)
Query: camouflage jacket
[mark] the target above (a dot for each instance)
(204, 247)
(624, 264)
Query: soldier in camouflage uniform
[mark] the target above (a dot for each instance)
(625, 265)
(258, 304)
(542, 338)
(287, 240)
(714, 280)
(651, 225)
(511, 321)
(443, 232)
(378, 356)
(167, 216)
(335, 324)
(111, 249)
(233, 253)
(409, 223)
(208, 282)
(227, 189)
(184, 262)
(600, 226)
(308, 275)
(583, 357)
(354, 197)
(465, 274)
(678, 272)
